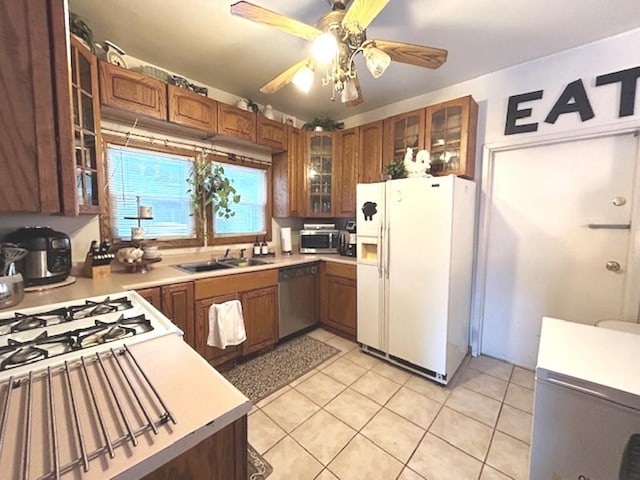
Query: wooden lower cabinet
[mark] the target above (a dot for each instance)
(213, 355)
(258, 292)
(338, 299)
(151, 295)
(260, 310)
(222, 456)
(176, 302)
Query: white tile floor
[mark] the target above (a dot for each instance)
(356, 417)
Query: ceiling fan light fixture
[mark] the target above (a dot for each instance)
(303, 79)
(349, 92)
(324, 48)
(377, 61)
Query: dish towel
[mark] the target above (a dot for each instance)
(226, 324)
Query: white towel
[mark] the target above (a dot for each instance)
(226, 324)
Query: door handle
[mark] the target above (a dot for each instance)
(611, 226)
(612, 266)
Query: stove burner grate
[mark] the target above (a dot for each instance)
(92, 308)
(21, 322)
(17, 353)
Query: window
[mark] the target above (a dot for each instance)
(253, 213)
(158, 175)
(160, 180)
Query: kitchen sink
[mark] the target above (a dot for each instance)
(221, 264)
(244, 262)
(196, 267)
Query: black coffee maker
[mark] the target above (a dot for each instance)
(348, 240)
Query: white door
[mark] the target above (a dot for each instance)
(546, 254)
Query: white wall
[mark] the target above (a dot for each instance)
(552, 74)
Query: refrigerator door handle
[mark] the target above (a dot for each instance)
(388, 244)
(379, 256)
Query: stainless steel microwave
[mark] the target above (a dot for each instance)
(319, 241)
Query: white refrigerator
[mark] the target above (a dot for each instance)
(586, 414)
(414, 263)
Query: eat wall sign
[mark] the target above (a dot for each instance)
(574, 99)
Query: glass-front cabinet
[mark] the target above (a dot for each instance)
(320, 177)
(403, 131)
(451, 137)
(86, 126)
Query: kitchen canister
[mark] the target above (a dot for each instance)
(144, 212)
(268, 112)
(137, 233)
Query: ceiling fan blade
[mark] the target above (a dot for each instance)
(419, 55)
(358, 100)
(364, 11)
(267, 17)
(284, 78)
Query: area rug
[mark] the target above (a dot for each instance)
(265, 374)
(257, 467)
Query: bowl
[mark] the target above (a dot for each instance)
(11, 290)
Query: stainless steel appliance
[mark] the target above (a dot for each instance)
(319, 238)
(49, 257)
(297, 298)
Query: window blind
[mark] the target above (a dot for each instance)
(250, 212)
(160, 179)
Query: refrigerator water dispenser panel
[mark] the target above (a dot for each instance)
(369, 252)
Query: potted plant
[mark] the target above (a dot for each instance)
(395, 169)
(323, 124)
(208, 185)
(80, 29)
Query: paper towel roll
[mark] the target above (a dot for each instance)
(285, 240)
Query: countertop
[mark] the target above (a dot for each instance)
(161, 273)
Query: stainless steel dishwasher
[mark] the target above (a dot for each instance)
(297, 298)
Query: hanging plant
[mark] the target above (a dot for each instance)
(208, 185)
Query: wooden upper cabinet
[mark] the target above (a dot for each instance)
(237, 123)
(132, 91)
(88, 171)
(321, 189)
(451, 137)
(370, 158)
(36, 119)
(347, 171)
(271, 134)
(191, 109)
(403, 131)
(288, 171)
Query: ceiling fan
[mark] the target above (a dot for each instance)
(336, 39)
